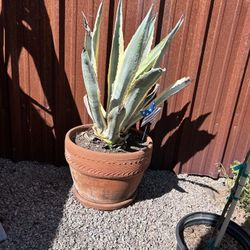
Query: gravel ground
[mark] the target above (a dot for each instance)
(38, 210)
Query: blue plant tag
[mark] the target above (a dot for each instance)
(151, 117)
(148, 111)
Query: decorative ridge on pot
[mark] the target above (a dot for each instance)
(116, 164)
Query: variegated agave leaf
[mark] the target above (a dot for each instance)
(139, 91)
(130, 62)
(156, 54)
(151, 95)
(114, 119)
(132, 75)
(93, 92)
(86, 103)
(88, 44)
(92, 38)
(149, 38)
(117, 51)
(171, 90)
(96, 33)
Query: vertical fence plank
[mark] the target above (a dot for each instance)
(5, 141)
(239, 139)
(66, 112)
(12, 51)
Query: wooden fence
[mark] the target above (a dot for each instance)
(41, 86)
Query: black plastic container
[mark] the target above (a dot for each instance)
(234, 230)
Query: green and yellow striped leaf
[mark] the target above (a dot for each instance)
(117, 50)
(93, 91)
(156, 54)
(96, 33)
(130, 62)
(171, 90)
(139, 92)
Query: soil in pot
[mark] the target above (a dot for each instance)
(197, 237)
(87, 139)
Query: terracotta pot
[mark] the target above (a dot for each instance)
(106, 181)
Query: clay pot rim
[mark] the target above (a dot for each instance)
(69, 135)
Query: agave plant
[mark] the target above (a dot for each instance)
(132, 76)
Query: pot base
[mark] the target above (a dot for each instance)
(103, 206)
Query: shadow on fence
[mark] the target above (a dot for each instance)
(26, 26)
(169, 151)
